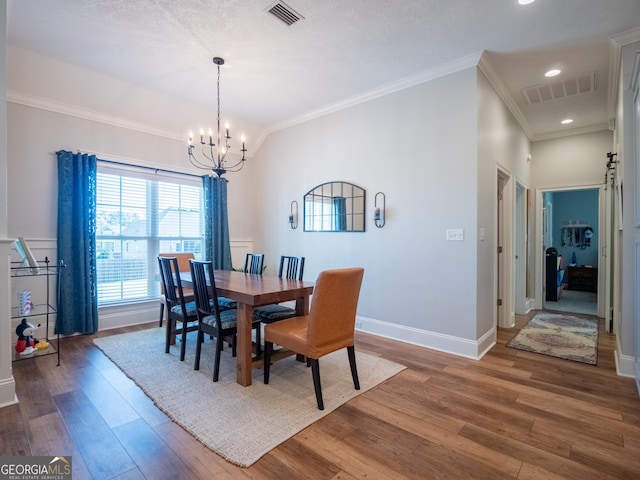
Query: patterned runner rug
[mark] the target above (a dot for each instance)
(240, 424)
(558, 335)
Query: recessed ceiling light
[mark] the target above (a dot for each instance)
(552, 73)
(567, 121)
(525, 2)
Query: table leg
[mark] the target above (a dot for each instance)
(243, 344)
(302, 305)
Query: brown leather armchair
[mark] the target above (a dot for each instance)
(329, 326)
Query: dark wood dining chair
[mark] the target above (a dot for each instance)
(179, 311)
(328, 327)
(291, 268)
(183, 266)
(253, 263)
(212, 320)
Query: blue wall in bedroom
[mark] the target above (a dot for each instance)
(576, 206)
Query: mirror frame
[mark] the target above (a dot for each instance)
(321, 202)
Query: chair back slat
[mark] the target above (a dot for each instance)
(204, 289)
(253, 263)
(291, 268)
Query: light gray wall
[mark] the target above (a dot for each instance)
(55, 106)
(412, 145)
(629, 262)
(575, 160)
(3, 120)
(7, 384)
(501, 144)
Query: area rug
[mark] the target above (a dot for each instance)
(558, 335)
(240, 424)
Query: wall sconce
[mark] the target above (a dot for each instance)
(379, 203)
(293, 215)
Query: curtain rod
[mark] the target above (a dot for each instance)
(156, 170)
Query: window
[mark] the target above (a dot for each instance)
(138, 216)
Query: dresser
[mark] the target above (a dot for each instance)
(582, 278)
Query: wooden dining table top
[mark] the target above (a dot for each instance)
(254, 290)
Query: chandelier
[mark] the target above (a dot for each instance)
(213, 155)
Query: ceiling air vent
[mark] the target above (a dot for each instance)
(560, 89)
(285, 13)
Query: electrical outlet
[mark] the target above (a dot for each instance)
(455, 235)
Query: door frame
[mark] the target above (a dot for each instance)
(602, 243)
(522, 303)
(504, 264)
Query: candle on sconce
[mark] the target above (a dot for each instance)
(376, 214)
(291, 218)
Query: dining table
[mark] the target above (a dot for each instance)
(250, 291)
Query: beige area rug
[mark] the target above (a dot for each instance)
(558, 335)
(240, 424)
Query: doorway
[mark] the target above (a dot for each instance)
(571, 249)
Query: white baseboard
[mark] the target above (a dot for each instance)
(625, 365)
(463, 347)
(8, 392)
(127, 315)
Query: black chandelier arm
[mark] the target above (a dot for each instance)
(197, 163)
(237, 167)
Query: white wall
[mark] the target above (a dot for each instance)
(418, 146)
(501, 144)
(39, 126)
(625, 147)
(7, 384)
(576, 160)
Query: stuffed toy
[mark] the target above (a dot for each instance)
(26, 342)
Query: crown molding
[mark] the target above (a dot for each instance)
(86, 114)
(571, 132)
(402, 84)
(616, 42)
(94, 116)
(489, 72)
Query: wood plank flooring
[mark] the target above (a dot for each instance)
(511, 415)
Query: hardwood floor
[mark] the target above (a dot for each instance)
(510, 415)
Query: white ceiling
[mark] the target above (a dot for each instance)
(341, 51)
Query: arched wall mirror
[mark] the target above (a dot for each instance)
(335, 207)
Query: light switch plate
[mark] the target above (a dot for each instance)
(455, 235)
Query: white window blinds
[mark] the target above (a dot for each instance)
(139, 215)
